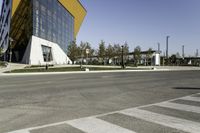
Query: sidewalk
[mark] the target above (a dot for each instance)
(12, 66)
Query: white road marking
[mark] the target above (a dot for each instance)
(64, 122)
(20, 131)
(189, 98)
(39, 127)
(107, 77)
(94, 125)
(173, 122)
(181, 107)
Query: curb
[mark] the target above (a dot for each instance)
(79, 72)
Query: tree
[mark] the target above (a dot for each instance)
(1, 53)
(91, 50)
(179, 59)
(126, 51)
(82, 45)
(117, 53)
(72, 50)
(109, 52)
(126, 48)
(173, 59)
(178, 55)
(82, 50)
(149, 56)
(117, 49)
(137, 55)
(102, 51)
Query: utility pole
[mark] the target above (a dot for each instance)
(183, 51)
(159, 48)
(197, 53)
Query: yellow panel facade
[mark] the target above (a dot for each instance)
(15, 4)
(73, 6)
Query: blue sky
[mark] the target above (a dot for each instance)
(143, 22)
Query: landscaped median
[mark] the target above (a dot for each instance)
(70, 69)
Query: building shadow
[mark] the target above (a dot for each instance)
(187, 88)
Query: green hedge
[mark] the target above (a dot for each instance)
(3, 64)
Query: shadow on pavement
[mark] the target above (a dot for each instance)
(186, 88)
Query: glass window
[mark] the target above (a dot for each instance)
(51, 21)
(47, 53)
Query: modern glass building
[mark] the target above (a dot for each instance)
(38, 31)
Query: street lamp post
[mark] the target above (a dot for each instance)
(167, 46)
(122, 57)
(11, 40)
(47, 59)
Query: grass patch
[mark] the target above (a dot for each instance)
(68, 69)
(38, 66)
(60, 69)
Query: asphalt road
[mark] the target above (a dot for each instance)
(67, 101)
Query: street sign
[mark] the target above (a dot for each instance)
(87, 51)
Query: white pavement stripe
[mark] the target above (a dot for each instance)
(20, 131)
(64, 122)
(189, 98)
(173, 122)
(181, 107)
(94, 125)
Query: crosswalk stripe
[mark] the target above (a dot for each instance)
(94, 125)
(181, 107)
(173, 122)
(189, 98)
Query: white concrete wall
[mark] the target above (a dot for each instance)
(34, 55)
(157, 59)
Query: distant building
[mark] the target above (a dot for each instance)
(148, 58)
(38, 31)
